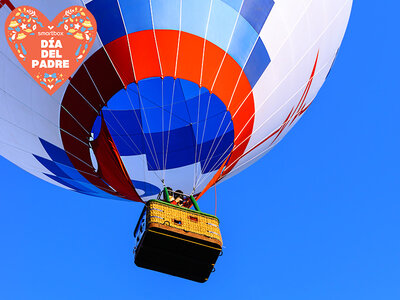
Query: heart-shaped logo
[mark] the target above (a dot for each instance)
(50, 51)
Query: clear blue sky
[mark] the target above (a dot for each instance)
(322, 218)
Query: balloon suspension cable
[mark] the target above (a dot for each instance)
(215, 188)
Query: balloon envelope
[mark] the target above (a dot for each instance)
(191, 91)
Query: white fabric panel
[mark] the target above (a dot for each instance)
(135, 164)
(243, 164)
(22, 128)
(178, 178)
(21, 140)
(23, 160)
(282, 85)
(22, 91)
(278, 85)
(281, 22)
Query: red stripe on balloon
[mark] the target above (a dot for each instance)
(295, 113)
(110, 165)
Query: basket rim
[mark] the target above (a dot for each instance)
(183, 208)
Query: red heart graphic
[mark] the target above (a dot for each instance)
(50, 51)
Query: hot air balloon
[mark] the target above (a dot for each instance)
(174, 93)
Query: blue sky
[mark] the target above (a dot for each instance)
(317, 218)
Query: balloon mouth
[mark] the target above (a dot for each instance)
(115, 76)
(172, 122)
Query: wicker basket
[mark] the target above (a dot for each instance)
(184, 219)
(177, 241)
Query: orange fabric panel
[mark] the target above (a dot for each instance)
(242, 96)
(190, 56)
(213, 57)
(226, 81)
(144, 54)
(167, 41)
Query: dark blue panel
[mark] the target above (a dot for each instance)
(108, 16)
(256, 12)
(216, 147)
(72, 173)
(130, 145)
(206, 131)
(257, 63)
(152, 119)
(214, 104)
(51, 166)
(180, 158)
(181, 138)
(215, 126)
(96, 127)
(78, 187)
(148, 130)
(123, 121)
(56, 154)
(180, 148)
(180, 115)
(220, 147)
(61, 181)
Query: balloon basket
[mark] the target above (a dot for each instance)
(177, 241)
